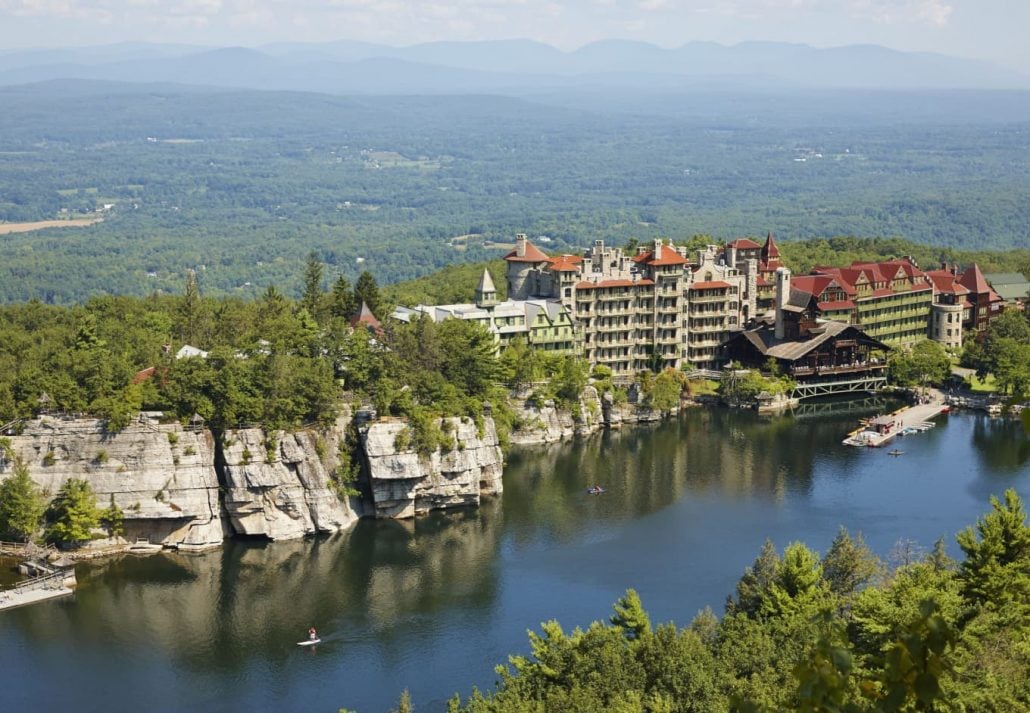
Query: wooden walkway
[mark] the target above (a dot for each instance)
(37, 589)
(907, 417)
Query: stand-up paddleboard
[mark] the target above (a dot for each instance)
(309, 642)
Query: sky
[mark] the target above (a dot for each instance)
(985, 29)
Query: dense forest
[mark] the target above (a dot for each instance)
(843, 632)
(241, 185)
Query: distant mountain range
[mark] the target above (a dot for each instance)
(509, 67)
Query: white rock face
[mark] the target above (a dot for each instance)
(284, 492)
(405, 484)
(161, 476)
(548, 424)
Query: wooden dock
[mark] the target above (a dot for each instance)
(908, 417)
(37, 589)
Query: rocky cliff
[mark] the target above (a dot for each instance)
(545, 423)
(405, 483)
(160, 475)
(278, 484)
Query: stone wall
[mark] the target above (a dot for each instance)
(161, 476)
(405, 483)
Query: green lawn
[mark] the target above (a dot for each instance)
(987, 386)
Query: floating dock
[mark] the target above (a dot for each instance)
(37, 589)
(883, 429)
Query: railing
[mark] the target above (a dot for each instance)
(838, 369)
(53, 580)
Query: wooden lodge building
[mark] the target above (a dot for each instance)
(804, 347)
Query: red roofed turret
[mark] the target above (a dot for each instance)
(769, 250)
(525, 251)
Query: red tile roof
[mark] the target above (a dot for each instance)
(973, 280)
(566, 263)
(814, 284)
(769, 250)
(743, 244)
(533, 254)
(715, 284)
(667, 255)
(946, 282)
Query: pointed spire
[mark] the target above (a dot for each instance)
(366, 318)
(769, 250)
(973, 280)
(486, 282)
(486, 293)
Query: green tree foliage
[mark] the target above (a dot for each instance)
(804, 635)
(312, 296)
(849, 564)
(754, 586)
(924, 363)
(630, 616)
(366, 291)
(21, 503)
(996, 570)
(1005, 353)
(73, 514)
(662, 392)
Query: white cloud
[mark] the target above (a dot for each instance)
(897, 12)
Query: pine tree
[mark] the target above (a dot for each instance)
(312, 299)
(73, 514)
(849, 563)
(21, 504)
(630, 616)
(996, 571)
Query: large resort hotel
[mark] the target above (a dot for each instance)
(659, 308)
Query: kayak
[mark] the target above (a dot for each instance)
(309, 642)
(595, 491)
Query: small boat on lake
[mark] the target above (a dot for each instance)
(895, 452)
(595, 490)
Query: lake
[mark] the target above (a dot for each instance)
(434, 604)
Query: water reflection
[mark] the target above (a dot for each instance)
(432, 604)
(1003, 445)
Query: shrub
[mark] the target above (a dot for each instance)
(173, 439)
(49, 459)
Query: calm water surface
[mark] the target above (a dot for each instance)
(433, 605)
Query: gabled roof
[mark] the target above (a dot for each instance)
(764, 340)
(666, 255)
(815, 285)
(533, 254)
(975, 281)
(944, 281)
(743, 244)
